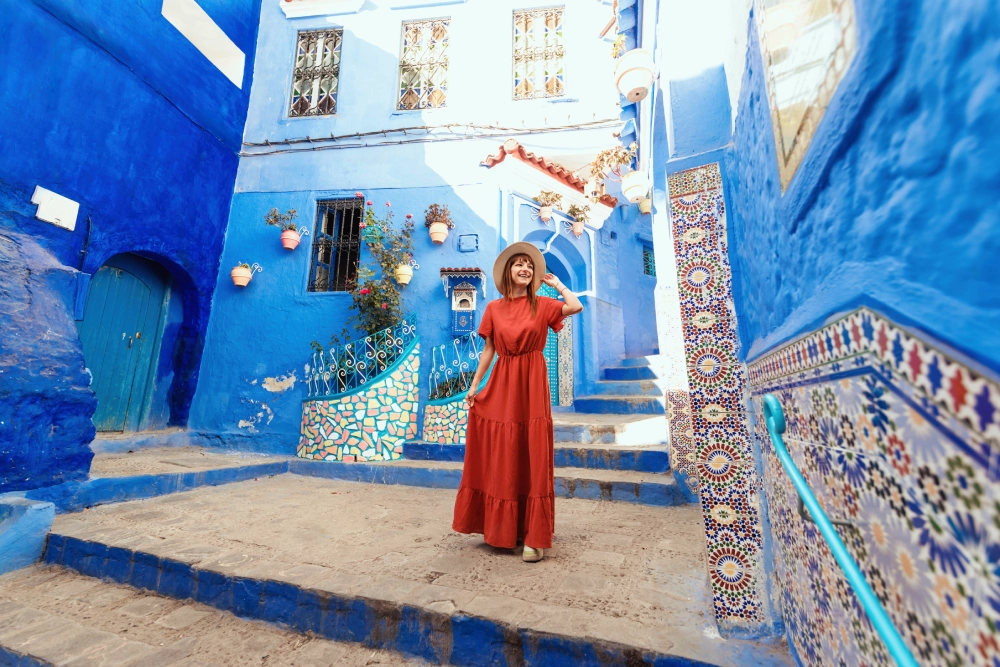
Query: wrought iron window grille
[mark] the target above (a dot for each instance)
(317, 73)
(353, 365)
(336, 245)
(423, 65)
(538, 68)
(648, 261)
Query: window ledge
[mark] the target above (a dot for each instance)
(413, 4)
(294, 9)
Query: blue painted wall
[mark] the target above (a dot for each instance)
(107, 104)
(895, 203)
(700, 114)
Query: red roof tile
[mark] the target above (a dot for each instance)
(467, 269)
(556, 171)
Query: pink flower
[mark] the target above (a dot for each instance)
(362, 225)
(388, 204)
(369, 202)
(359, 195)
(409, 216)
(365, 290)
(384, 306)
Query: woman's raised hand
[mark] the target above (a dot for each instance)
(551, 281)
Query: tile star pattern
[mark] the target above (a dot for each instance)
(710, 440)
(899, 437)
(369, 424)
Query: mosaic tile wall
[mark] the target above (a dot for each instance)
(566, 362)
(683, 453)
(719, 448)
(446, 423)
(367, 425)
(901, 439)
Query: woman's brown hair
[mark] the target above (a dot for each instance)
(507, 285)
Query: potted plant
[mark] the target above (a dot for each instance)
(581, 215)
(634, 74)
(290, 235)
(391, 247)
(438, 221)
(646, 206)
(241, 274)
(547, 201)
(611, 162)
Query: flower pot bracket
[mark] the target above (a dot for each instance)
(459, 274)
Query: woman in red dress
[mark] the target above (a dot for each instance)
(507, 492)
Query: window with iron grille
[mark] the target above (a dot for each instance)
(648, 261)
(336, 245)
(423, 65)
(538, 53)
(317, 73)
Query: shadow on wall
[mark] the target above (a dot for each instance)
(45, 399)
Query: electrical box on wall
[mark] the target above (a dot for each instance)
(468, 242)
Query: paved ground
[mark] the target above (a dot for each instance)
(628, 573)
(65, 618)
(148, 461)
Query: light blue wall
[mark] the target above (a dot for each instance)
(895, 203)
(701, 118)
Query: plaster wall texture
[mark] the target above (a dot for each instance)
(893, 204)
(121, 121)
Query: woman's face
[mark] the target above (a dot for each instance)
(522, 271)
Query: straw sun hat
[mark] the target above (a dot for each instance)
(520, 248)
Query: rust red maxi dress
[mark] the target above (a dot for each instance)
(507, 491)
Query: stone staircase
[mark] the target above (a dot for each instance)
(624, 390)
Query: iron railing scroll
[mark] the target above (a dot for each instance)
(453, 365)
(353, 365)
(775, 419)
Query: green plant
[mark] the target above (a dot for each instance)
(241, 265)
(581, 213)
(612, 160)
(618, 48)
(548, 198)
(438, 213)
(284, 220)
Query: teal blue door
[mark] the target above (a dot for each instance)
(119, 331)
(551, 351)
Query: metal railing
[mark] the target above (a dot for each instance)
(775, 419)
(453, 365)
(355, 364)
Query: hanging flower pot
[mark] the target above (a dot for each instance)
(635, 187)
(545, 213)
(438, 232)
(646, 206)
(290, 239)
(577, 228)
(634, 74)
(404, 274)
(438, 221)
(241, 275)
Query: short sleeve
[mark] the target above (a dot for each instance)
(552, 308)
(486, 326)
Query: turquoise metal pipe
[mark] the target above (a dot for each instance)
(775, 418)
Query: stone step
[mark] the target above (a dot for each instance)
(622, 430)
(55, 616)
(635, 361)
(629, 373)
(380, 565)
(567, 455)
(626, 388)
(619, 405)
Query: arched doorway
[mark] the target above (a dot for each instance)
(120, 332)
(559, 346)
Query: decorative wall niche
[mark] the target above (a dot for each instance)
(807, 46)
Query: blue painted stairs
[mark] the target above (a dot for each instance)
(627, 389)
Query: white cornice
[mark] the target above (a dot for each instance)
(295, 9)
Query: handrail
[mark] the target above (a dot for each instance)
(352, 365)
(775, 419)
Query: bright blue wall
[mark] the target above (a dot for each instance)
(700, 113)
(895, 203)
(149, 154)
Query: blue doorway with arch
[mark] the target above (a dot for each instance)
(120, 333)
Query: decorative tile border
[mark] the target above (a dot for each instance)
(898, 437)
(566, 363)
(718, 448)
(366, 425)
(446, 423)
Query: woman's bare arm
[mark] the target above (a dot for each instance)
(572, 304)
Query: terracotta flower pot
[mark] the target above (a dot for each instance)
(241, 276)
(404, 274)
(439, 232)
(646, 206)
(577, 228)
(290, 239)
(545, 213)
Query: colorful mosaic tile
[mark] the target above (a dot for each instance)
(370, 424)
(566, 363)
(717, 453)
(446, 423)
(900, 438)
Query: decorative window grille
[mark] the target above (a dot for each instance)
(423, 65)
(648, 261)
(538, 53)
(317, 73)
(336, 245)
